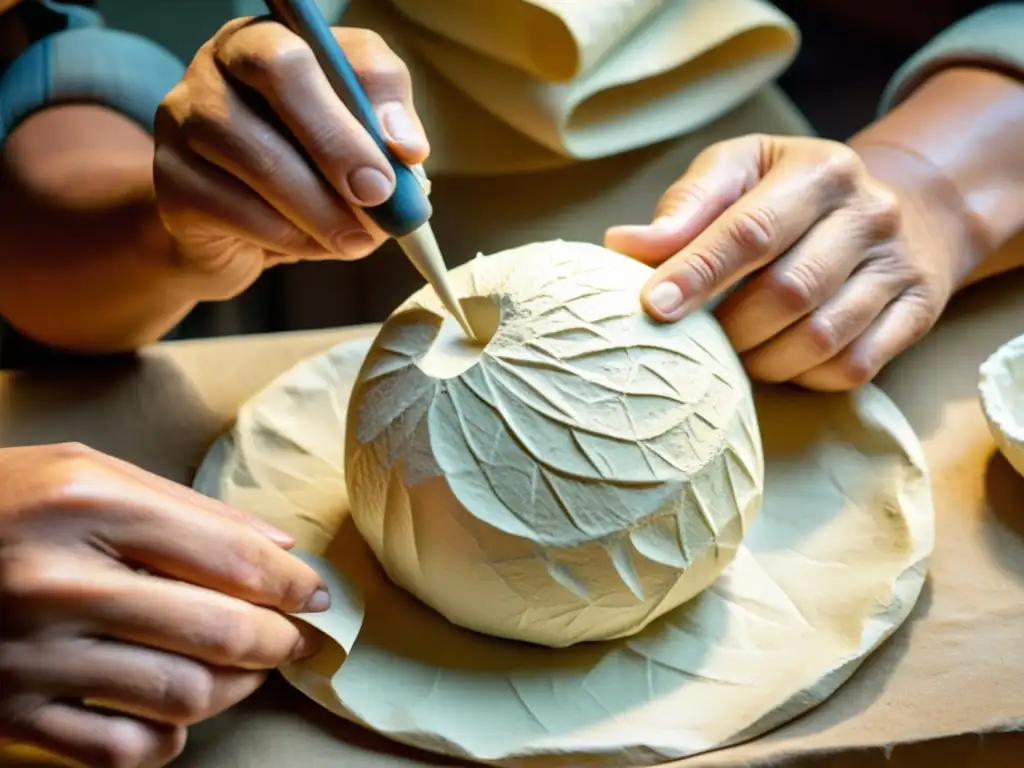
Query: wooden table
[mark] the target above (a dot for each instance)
(957, 666)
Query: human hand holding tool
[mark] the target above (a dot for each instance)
(264, 157)
(406, 214)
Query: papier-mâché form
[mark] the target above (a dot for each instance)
(829, 569)
(581, 474)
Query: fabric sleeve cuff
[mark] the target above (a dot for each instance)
(96, 65)
(992, 38)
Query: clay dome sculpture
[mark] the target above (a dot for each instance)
(575, 473)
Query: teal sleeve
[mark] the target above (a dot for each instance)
(81, 61)
(87, 62)
(993, 38)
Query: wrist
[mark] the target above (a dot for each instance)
(954, 143)
(931, 197)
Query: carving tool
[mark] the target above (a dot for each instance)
(405, 216)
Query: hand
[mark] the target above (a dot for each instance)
(258, 162)
(845, 272)
(133, 607)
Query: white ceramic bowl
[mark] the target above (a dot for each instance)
(1001, 385)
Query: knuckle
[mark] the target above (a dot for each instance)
(256, 572)
(226, 31)
(842, 168)
(390, 76)
(797, 288)
(21, 580)
(331, 141)
(753, 230)
(203, 124)
(366, 39)
(271, 164)
(38, 581)
(889, 259)
(824, 335)
(124, 745)
(923, 310)
(707, 269)
(174, 103)
(286, 63)
(377, 66)
(72, 450)
(231, 638)
(71, 483)
(246, 566)
(267, 62)
(858, 369)
(883, 212)
(187, 693)
(682, 196)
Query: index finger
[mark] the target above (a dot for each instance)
(177, 535)
(284, 71)
(196, 499)
(752, 232)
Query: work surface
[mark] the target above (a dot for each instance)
(955, 671)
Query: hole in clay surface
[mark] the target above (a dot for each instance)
(452, 352)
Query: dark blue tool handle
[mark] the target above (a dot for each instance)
(409, 207)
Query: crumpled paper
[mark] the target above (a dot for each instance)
(831, 568)
(550, 40)
(672, 69)
(644, 71)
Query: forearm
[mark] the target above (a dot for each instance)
(85, 264)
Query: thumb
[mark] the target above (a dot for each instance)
(717, 178)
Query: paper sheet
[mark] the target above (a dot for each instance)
(692, 61)
(674, 76)
(551, 40)
(832, 566)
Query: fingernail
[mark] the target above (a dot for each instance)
(401, 128)
(666, 297)
(318, 602)
(354, 244)
(369, 186)
(422, 178)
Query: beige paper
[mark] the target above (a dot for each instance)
(468, 140)
(693, 61)
(830, 569)
(553, 40)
